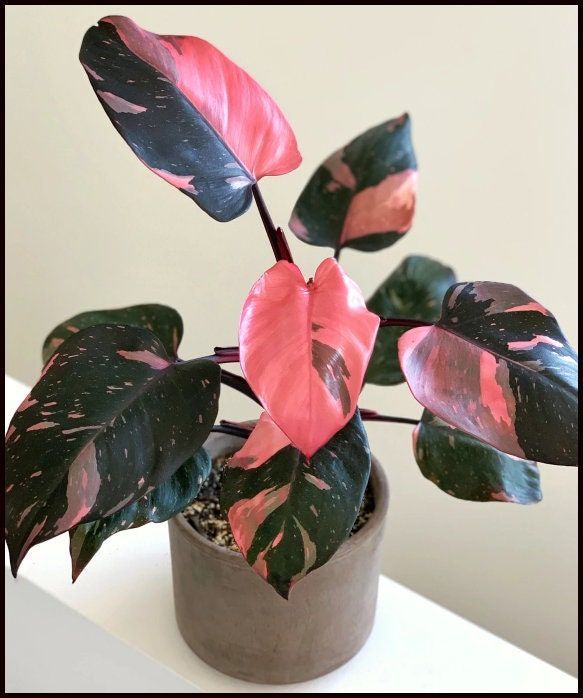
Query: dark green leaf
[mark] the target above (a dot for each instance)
(414, 290)
(497, 366)
(469, 469)
(362, 196)
(163, 321)
(289, 514)
(111, 417)
(161, 504)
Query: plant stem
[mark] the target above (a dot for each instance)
(238, 383)
(224, 355)
(372, 416)
(403, 322)
(232, 431)
(276, 235)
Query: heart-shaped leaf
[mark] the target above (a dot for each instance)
(497, 366)
(289, 514)
(163, 321)
(161, 504)
(414, 290)
(469, 469)
(304, 348)
(189, 113)
(110, 418)
(362, 196)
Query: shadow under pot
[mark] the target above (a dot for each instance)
(239, 625)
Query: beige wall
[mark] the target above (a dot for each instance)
(492, 95)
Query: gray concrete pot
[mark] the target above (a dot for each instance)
(237, 623)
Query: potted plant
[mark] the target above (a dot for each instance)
(119, 431)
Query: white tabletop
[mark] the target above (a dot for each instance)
(114, 631)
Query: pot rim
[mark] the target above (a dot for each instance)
(375, 522)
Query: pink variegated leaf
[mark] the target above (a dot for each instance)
(304, 348)
(288, 513)
(190, 114)
(497, 366)
(112, 417)
(363, 195)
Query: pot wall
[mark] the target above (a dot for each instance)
(239, 625)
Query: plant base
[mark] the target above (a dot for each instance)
(237, 623)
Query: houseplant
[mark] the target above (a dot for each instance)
(103, 460)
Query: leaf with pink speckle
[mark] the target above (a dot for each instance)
(497, 366)
(161, 504)
(111, 417)
(362, 196)
(190, 114)
(162, 320)
(469, 469)
(289, 514)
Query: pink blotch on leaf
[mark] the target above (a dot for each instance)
(246, 515)
(310, 554)
(532, 306)
(91, 72)
(503, 497)
(26, 403)
(42, 425)
(89, 426)
(260, 565)
(298, 227)
(340, 171)
(119, 104)
(146, 357)
(386, 207)
(49, 364)
(531, 343)
(320, 484)
(83, 486)
(277, 539)
(491, 393)
(183, 182)
(24, 513)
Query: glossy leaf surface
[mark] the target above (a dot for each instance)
(111, 417)
(163, 321)
(190, 114)
(414, 290)
(467, 468)
(497, 366)
(289, 514)
(304, 348)
(362, 196)
(161, 504)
